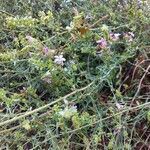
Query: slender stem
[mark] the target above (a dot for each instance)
(109, 117)
(4, 12)
(45, 106)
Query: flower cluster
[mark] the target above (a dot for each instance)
(102, 43)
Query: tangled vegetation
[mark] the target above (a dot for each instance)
(74, 75)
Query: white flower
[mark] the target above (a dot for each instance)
(119, 106)
(70, 28)
(117, 34)
(68, 112)
(59, 60)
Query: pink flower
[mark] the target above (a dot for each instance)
(45, 50)
(102, 43)
(129, 36)
(114, 36)
(59, 60)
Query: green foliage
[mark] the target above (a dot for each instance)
(50, 48)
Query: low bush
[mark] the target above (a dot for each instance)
(74, 74)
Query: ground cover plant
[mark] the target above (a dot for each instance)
(74, 75)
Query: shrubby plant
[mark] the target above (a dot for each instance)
(74, 74)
